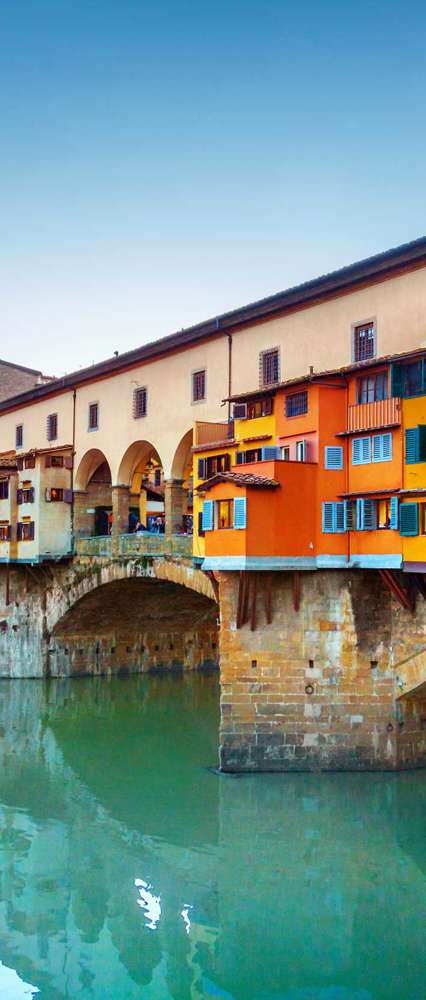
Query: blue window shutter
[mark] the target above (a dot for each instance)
(361, 451)
(382, 447)
(356, 451)
(207, 519)
(359, 514)
(340, 516)
(394, 513)
(377, 448)
(328, 516)
(240, 512)
(201, 468)
(270, 453)
(370, 515)
(409, 519)
(366, 450)
(333, 457)
(411, 445)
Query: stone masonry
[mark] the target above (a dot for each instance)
(318, 688)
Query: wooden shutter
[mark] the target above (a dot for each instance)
(201, 468)
(9, 532)
(67, 496)
(240, 457)
(19, 532)
(411, 445)
(350, 515)
(31, 495)
(48, 462)
(20, 464)
(240, 512)
(267, 406)
(340, 519)
(240, 411)
(394, 513)
(68, 462)
(370, 515)
(208, 515)
(409, 519)
(19, 496)
(227, 462)
(31, 531)
(333, 457)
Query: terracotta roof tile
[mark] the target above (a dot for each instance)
(239, 479)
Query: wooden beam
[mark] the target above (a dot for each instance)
(246, 598)
(405, 598)
(268, 598)
(253, 603)
(238, 622)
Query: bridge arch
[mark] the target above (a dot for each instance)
(137, 455)
(88, 466)
(182, 456)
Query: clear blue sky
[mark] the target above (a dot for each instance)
(165, 161)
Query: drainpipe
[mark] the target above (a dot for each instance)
(229, 374)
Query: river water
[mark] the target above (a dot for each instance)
(129, 869)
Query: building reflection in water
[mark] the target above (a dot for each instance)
(129, 870)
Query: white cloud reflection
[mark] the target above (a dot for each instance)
(12, 987)
(150, 904)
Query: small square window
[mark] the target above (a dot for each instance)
(139, 402)
(19, 436)
(93, 416)
(296, 404)
(198, 386)
(269, 364)
(52, 427)
(364, 341)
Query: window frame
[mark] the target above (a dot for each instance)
(137, 393)
(364, 325)
(199, 399)
(52, 420)
(216, 520)
(294, 397)
(4, 489)
(92, 427)
(263, 361)
(19, 436)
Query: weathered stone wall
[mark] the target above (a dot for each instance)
(317, 688)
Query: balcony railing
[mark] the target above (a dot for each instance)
(367, 416)
(135, 545)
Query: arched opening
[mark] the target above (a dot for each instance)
(135, 625)
(182, 486)
(93, 496)
(141, 470)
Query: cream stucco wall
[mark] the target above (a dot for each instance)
(34, 421)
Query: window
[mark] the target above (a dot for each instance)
(52, 426)
(409, 379)
(361, 451)
(93, 416)
(301, 451)
(25, 495)
(54, 462)
(157, 477)
(251, 455)
(4, 489)
(333, 516)
(5, 531)
(224, 514)
(409, 519)
(217, 463)
(25, 531)
(198, 386)
(382, 447)
(200, 524)
(269, 365)
(260, 408)
(372, 388)
(364, 341)
(139, 403)
(383, 514)
(333, 457)
(285, 454)
(55, 495)
(19, 436)
(366, 515)
(296, 404)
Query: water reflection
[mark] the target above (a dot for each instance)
(129, 870)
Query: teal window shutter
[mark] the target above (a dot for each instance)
(333, 457)
(397, 380)
(340, 516)
(409, 519)
(361, 451)
(382, 447)
(328, 516)
(207, 519)
(240, 512)
(412, 445)
(394, 514)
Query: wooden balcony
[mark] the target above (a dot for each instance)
(206, 432)
(369, 416)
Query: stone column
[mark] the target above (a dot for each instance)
(120, 515)
(83, 523)
(174, 496)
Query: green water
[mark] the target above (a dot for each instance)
(130, 870)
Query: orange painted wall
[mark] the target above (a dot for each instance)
(377, 475)
(375, 542)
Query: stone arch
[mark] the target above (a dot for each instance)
(182, 455)
(89, 464)
(135, 455)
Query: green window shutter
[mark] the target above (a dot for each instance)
(207, 521)
(411, 445)
(397, 380)
(240, 512)
(394, 513)
(409, 519)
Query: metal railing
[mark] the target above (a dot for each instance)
(367, 416)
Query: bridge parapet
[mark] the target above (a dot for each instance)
(135, 545)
